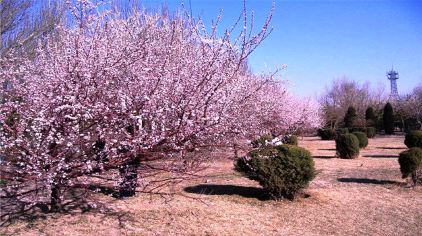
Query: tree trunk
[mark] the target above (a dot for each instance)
(55, 199)
(129, 178)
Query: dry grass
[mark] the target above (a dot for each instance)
(365, 196)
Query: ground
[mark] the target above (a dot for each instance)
(364, 196)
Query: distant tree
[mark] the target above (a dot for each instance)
(23, 22)
(409, 109)
(350, 117)
(344, 93)
(370, 116)
(388, 119)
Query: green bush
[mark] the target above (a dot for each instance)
(411, 164)
(342, 131)
(411, 124)
(413, 139)
(350, 117)
(327, 134)
(347, 146)
(363, 139)
(388, 119)
(370, 114)
(358, 129)
(370, 132)
(290, 139)
(282, 171)
(261, 141)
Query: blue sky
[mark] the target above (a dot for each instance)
(323, 40)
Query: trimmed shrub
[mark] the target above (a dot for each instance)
(261, 141)
(327, 134)
(282, 171)
(350, 117)
(411, 164)
(290, 139)
(370, 132)
(347, 146)
(411, 124)
(358, 129)
(388, 119)
(370, 117)
(370, 114)
(413, 139)
(363, 139)
(342, 131)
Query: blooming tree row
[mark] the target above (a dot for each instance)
(127, 96)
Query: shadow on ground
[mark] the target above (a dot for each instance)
(76, 201)
(221, 189)
(392, 148)
(324, 157)
(367, 181)
(327, 149)
(381, 156)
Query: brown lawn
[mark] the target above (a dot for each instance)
(365, 196)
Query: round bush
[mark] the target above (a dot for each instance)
(290, 139)
(261, 141)
(411, 164)
(370, 132)
(342, 131)
(363, 140)
(282, 171)
(347, 146)
(413, 139)
(358, 129)
(411, 124)
(327, 134)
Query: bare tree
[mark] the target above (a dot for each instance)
(409, 107)
(344, 93)
(22, 22)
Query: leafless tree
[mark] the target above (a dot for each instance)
(22, 22)
(344, 93)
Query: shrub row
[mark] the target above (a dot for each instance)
(327, 134)
(331, 134)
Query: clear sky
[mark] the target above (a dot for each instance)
(323, 40)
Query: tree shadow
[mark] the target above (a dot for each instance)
(216, 189)
(110, 191)
(367, 181)
(327, 149)
(392, 148)
(77, 201)
(324, 157)
(381, 156)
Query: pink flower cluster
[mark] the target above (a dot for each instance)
(148, 86)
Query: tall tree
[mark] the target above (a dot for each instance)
(344, 93)
(388, 119)
(117, 93)
(350, 117)
(370, 116)
(23, 22)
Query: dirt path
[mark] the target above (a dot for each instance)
(365, 196)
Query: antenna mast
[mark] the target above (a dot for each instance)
(393, 75)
